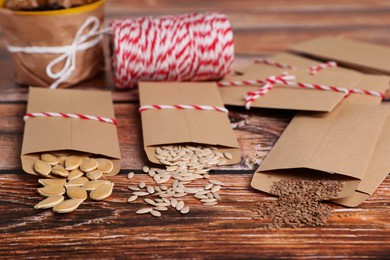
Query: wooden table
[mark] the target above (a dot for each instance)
(111, 229)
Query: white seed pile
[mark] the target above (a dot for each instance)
(73, 176)
(183, 165)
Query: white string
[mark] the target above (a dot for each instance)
(68, 53)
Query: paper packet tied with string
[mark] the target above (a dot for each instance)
(72, 121)
(56, 48)
(349, 144)
(191, 113)
(336, 81)
(363, 56)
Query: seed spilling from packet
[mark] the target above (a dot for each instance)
(72, 176)
(183, 166)
(299, 203)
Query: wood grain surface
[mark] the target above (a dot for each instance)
(111, 229)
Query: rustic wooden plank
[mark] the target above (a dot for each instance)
(112, 229)
(256, 131)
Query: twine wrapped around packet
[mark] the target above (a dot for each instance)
(176, 113)
(293, 82)
(69, 120)
(55, 48)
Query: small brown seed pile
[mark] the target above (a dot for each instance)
(73, 175)
(299, 203)
(184, 165)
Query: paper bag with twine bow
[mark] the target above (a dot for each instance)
(54, 48)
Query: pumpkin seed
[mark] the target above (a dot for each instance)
(67, 206)
(49, 202)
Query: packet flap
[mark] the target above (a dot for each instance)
(377, 170)
(174, 126)
(360, 55)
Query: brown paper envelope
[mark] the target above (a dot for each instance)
(341, 142)
(45, 134)
(359, 55)
(163, 127)
(282, 97)
(377, 170)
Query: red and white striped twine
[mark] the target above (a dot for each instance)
(316, 68)
(70, 115)
(189, 47)
(193, 107)
(312, 69)
(274, 63)
(289, 80)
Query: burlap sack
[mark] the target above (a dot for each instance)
(57, 28)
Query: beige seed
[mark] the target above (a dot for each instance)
(104, 165)
(91, 185)
(144, 210)
(200, 196)
(216, 182)
(164, 179)
(67, 206)
(89, 165)
(150, 189)
(133, 188)
(156, 178)
(208, 200)
(210, 195)
(180, 205)
(208, 186)
(151, 173)
(50, 202)
(50, 158)
(141, 184)
(73, 162)
(173, 202)
(164, 187)
(145, 169)
(132, 198)
(160, 208)
(76, 192)
(150, 201)
(192, 190)
(216, 188)
(155, 213)
(228, 155)
(185, 210)
(102, 192)
(178, 195)
(61, 160)
(216, 195)
(80, 181)
(210, 203)
(161, 204)
(94, 175)
(130, 175)
(140, 193)
(59, 170)
(42, 168)
(75, 174)
(51, 190)
(52, 182)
